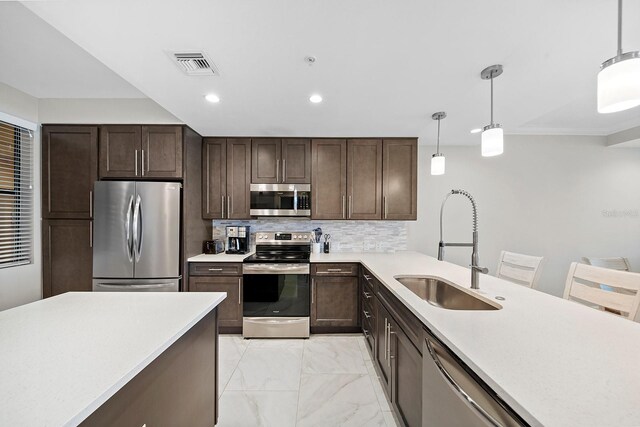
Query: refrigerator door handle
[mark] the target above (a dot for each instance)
(127, 230)
(137, 240)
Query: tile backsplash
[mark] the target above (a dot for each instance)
(346, 236)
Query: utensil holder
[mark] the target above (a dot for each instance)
(317, 248)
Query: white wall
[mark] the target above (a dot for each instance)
(23, 284)
(562, 197)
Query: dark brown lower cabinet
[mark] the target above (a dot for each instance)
(179, 388)
(397, 360)
(220, 277)
(334, 301)
(406, 389)
(67, 256)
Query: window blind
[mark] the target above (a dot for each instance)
(16, 195)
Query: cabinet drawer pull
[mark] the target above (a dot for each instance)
(368, 278)
(365, 332)
(215, 269)
(367, 295)
(366, 314)
(334, 270)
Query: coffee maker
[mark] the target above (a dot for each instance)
(238, 239)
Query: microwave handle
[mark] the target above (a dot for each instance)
(295, 199)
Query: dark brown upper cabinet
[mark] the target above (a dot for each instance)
(69, 169)
(129, 151)
(364, 179)
(328, 179)
(400, 179)
(226, 177)
(275, 161)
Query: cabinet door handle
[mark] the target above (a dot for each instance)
(313, 287)
(343, 208)
(367, 277)
(142, 157)
(277, 170)
(366, 314)
(385, 338)
(222, 207)
(239, 290)
(136, 163)
(389, 344)
(350, 207)
(90, 203)
(367, 295)
(284, 170)
(91, 234)
(228, 207)
(365, 332)
(385, 207)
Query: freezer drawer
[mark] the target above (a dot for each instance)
(136, 285)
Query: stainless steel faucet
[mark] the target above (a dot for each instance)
(475, 268)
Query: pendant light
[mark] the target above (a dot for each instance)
(492, 135)
(437, 160)
(619, 78)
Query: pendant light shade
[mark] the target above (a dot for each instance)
(619, 85)
(492, 141)
(437, 164)
(619, 78)
(437, 160)
(492, 134)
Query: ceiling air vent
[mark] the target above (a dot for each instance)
(194, 63)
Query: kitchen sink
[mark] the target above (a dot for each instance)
(445, 295)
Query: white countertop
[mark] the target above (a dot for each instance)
(218, 258)
(63, 357)
(556, 362)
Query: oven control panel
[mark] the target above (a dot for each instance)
(294, 237)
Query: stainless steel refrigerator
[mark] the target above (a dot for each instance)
(136, 241)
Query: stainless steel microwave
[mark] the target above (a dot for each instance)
(280, 200)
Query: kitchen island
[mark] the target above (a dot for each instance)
(555, 362)
(110, 358)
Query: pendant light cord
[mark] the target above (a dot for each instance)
(438, 143)
(492, 98)
(619, 27)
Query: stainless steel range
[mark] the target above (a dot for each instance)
(276, 291)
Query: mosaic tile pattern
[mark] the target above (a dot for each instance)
(346, 236)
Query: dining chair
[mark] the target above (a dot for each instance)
(518, 268)
(583, 284)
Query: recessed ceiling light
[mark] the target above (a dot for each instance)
(212, 97)
(315, 98)
(476, 130)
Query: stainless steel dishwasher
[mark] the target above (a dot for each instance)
(453, 395)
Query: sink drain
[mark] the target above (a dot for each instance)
(500, 298)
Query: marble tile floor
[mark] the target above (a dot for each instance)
(326, 380)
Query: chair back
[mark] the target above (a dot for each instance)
(519, 268)
(618, 263)
(584, 281)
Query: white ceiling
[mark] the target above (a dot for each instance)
(383, 67)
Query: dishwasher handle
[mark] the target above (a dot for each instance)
(491, 420)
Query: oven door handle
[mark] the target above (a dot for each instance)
(275, 268)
